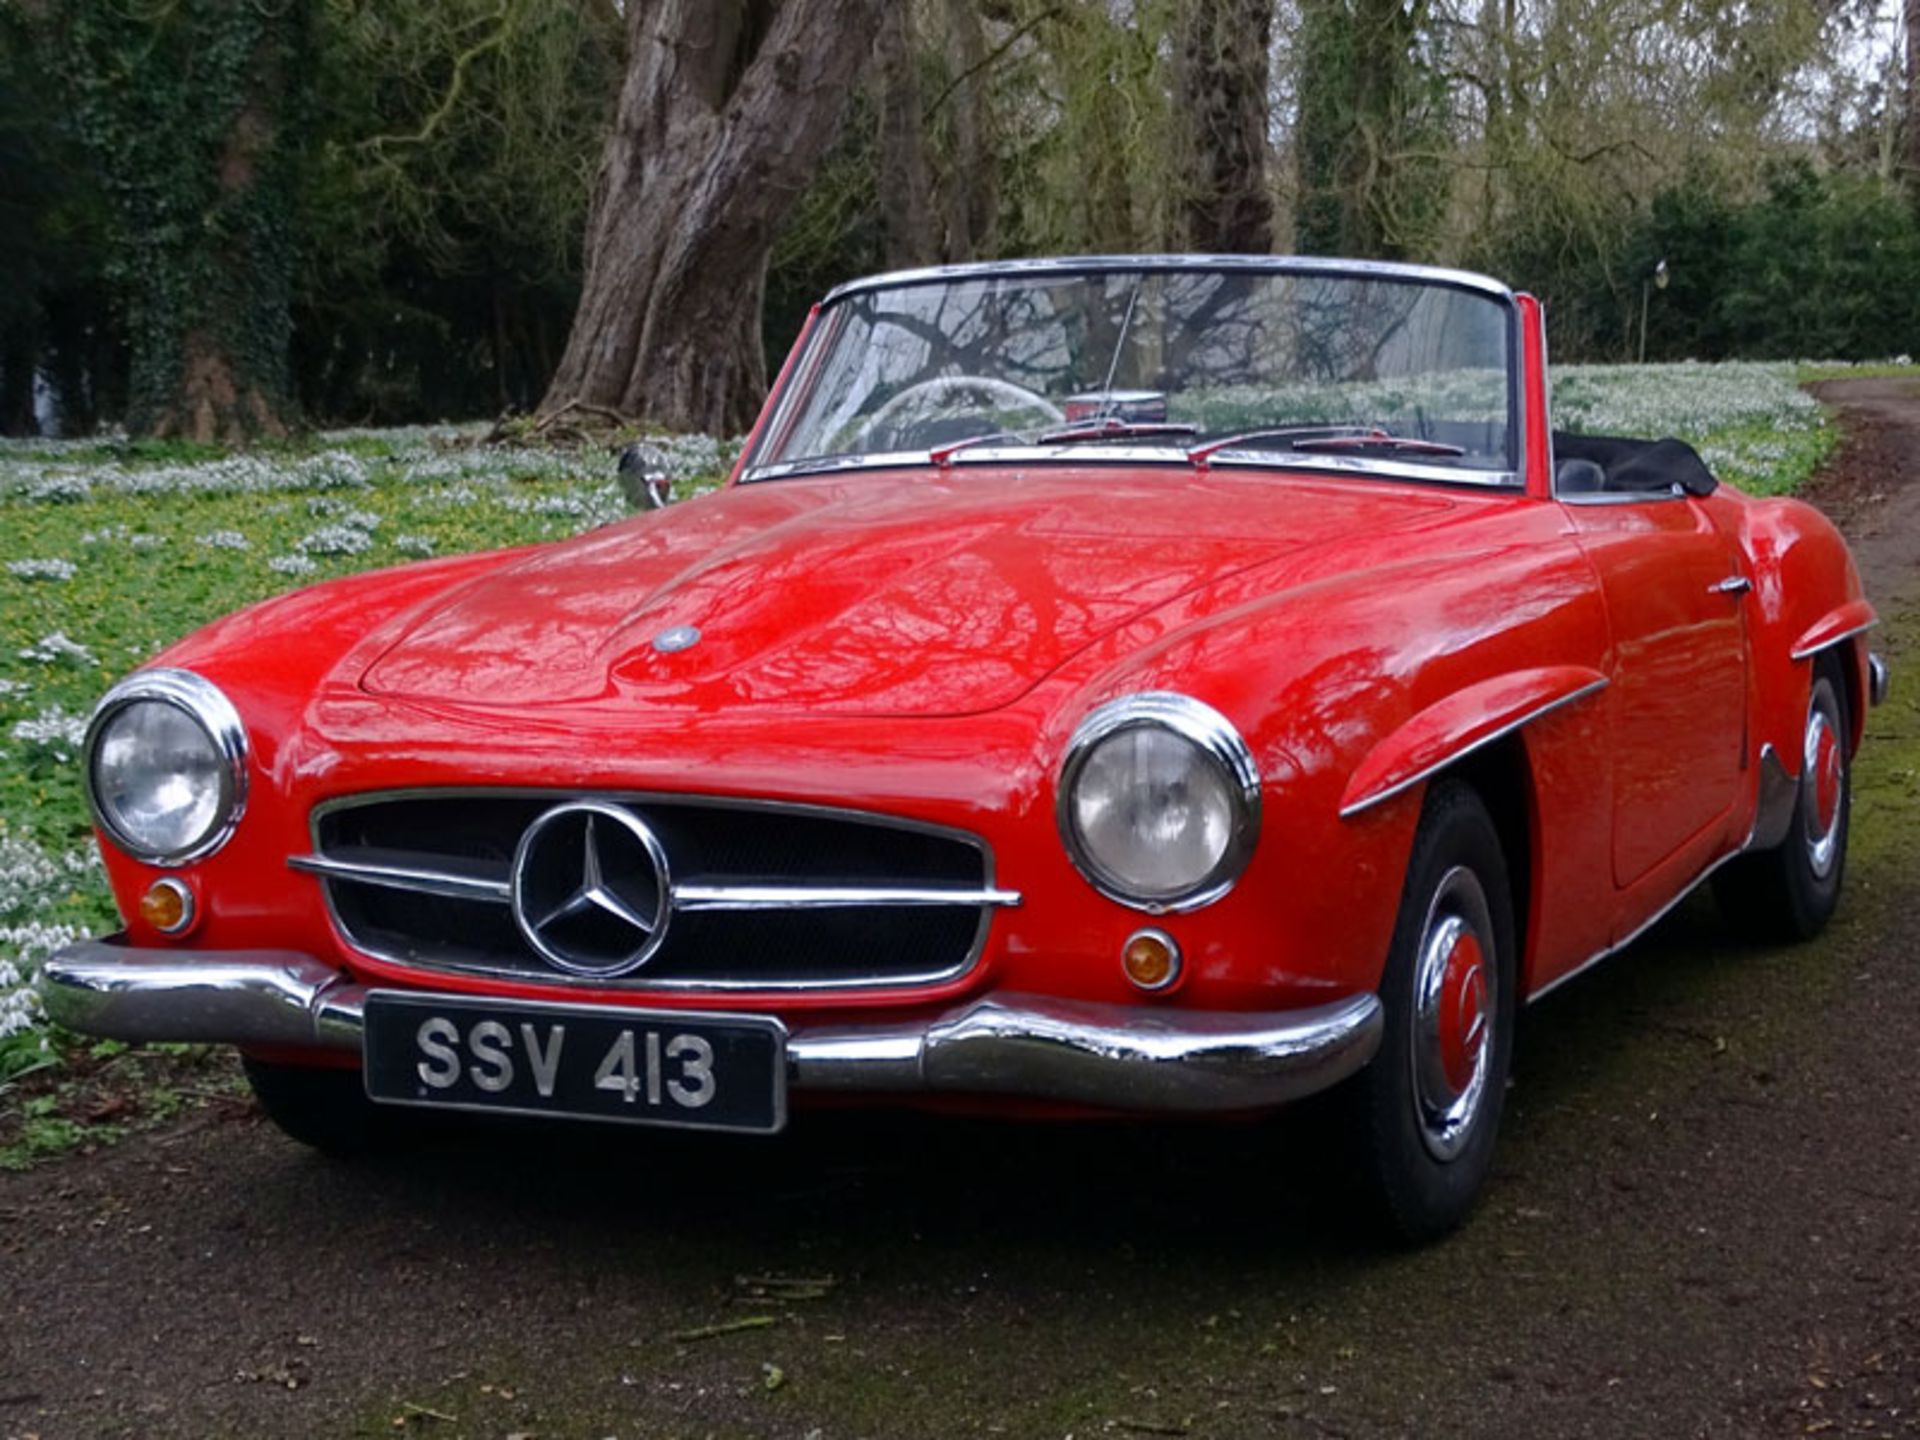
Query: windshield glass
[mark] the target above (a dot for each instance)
(1347, 368)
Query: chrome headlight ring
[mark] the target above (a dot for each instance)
(204, 704)
(1217, 744)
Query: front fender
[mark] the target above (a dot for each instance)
(1449, 729)
(1807, 599)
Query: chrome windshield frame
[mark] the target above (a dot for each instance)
(781, 405)
(1088, 456)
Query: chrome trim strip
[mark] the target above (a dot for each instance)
(399, 877)
(208, 707)
(1808, 651)
(1652, 920)
(685, 897)
(833, 897)
(640, 982)
(1620, 497)
(1240, 264)
(1205, 728)
(1879, 680)
(1527, 718)
(1120, 1057)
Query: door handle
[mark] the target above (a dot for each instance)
(1732, 585)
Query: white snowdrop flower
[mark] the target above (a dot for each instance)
(223, 540)
(49, 649)
(53, 569)
(55, 730)
(58, 490)
(13, 687)
(28, 876)
(147, 542)
(336, 540)
(292, 565)
(414, 544)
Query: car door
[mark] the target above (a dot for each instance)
(1675, 593)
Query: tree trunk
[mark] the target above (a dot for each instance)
(1221, 75)
(1912, 159)
(727, 107)
(191, 112)
(970, 192)
(1369, 185)
(18, 349)
(906, 202)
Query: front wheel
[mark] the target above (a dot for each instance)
(325, 1108)
(1422, 1117)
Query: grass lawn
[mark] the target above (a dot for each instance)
(109, 552)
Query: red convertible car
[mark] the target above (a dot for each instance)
(1105, 686)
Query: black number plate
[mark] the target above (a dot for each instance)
(595, 1062)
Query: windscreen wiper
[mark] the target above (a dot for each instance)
(1293, 434)
(942, 455)
(1113, 428)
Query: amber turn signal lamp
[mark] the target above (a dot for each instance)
(1151, 959)
(167, 906)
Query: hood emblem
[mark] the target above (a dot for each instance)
(680, 637)
(590, 889)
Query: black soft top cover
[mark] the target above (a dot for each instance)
(1641, 466)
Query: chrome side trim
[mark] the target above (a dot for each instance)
(1210, 732)
(1808, 651)
(208, 707)
(833, 897)
(405, 877)
(1120, 1057)
(1606, 952)
(1879, 680)
(1619, 497)
(1427, 772)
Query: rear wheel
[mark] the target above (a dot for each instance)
(327, 1109)
(1789, 892)
(1424, 1114)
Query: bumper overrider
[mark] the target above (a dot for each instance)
(1118, 1057)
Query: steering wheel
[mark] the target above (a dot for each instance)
(932, 392)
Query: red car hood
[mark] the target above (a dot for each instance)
(874, 594)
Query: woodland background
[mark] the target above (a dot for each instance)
(224, 220)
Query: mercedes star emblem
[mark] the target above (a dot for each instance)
(591, 891)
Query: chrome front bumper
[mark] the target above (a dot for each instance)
(1120, 1057)
(1879, 680)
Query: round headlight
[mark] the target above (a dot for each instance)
(166, 766)
(1159, 801)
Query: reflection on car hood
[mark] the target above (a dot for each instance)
(873, 594)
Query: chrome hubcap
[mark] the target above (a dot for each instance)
(1455, 1006)
(1822, 782)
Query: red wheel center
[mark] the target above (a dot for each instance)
(1463, 1011)
(1826, 779)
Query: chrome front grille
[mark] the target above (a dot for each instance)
(759, 895)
